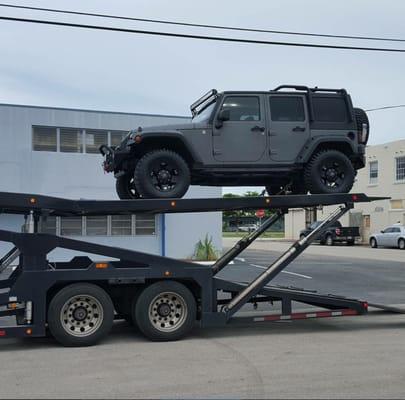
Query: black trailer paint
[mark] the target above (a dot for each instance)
(27, 290)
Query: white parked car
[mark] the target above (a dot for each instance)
(247, 228)
(393, 236)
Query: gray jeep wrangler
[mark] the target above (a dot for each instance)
(292, 139)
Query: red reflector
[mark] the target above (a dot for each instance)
(354, 197)
(2, 333)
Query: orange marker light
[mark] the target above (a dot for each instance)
(268, 201)
(101, 265)
(167, 273)
(33, 200)
(173, 204)
(28, 331)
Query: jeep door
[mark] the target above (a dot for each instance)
(242, 138)
(289, 126)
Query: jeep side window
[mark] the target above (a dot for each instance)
(287, 108)
(242, 108)
(329, 109)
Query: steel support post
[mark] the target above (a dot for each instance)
(246, 241)
(282, 262)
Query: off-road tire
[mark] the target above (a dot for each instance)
(361, 118)
(125, 187)
(182, 306)
(58, 320)
(320, 164)
(146, 181)
(373, 243)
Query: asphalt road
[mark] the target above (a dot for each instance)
(349, 357)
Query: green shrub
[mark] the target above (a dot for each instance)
(205, 250)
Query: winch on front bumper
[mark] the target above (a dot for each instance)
(113, 157)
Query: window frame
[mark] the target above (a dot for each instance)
(260, 103)
(304, 106)
(402, 180)
(370, 178)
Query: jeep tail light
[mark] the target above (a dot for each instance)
(337, 231)
(363, 135)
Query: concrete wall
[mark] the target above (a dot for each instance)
(79, 175)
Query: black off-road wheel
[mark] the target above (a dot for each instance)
(80, 314)
(125, 187)
(165, 311)
(329, 171)
(162, 174)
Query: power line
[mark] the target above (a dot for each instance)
(385, 108)
(199, 37)
(231, 28)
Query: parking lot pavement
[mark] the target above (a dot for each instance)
(354, 357)
(338, 250)
(345, 357)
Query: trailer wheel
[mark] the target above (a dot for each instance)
(80, 314)
(165, 311)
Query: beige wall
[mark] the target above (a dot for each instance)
(381, 212)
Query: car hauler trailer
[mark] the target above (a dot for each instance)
(78, 300)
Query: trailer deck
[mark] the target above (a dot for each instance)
(76, 300)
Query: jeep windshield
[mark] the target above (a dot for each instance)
(204, 114)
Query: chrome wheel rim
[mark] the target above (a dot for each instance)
(167, 311)
(81, 315)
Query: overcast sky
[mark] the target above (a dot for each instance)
(78, 68)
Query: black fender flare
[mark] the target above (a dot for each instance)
(333, 142)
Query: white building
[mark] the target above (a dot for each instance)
(384, 175)
(54, 151)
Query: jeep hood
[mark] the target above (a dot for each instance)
(169, 127)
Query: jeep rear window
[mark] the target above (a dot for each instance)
(329, 109)
(242, 108)
(287, 108)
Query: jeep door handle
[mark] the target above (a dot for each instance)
(299, 129)
(258, 129)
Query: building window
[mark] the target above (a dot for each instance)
(373, 172)
(117, 137)
(96, 225)
(121, 225)
(287, 108)
(94, 139)
(113, 225)
(400, 168)
(71, 140)
(71, 226)
(144, 224)
(397, 204)
(44, 138)
(48, 225)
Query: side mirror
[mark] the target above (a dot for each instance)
(224, 115)
(382, 231)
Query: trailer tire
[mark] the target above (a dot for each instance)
(80, 314)
(165, 311)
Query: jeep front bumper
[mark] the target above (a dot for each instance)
(113, 158)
